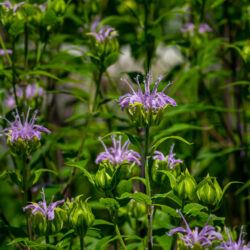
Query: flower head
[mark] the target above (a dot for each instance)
(105, 33)
(204, 28)
(118, 153)
(41, 207)
(232, 245)
(13, 7)
(25, 130)
(170, 159)
(151, 100)
(187, 27)
(8, 51)
(204, 237)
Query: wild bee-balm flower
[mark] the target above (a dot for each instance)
(233, 245)
(3, 53)
(146, 109)
(41, 207)
(23, 137)
(118, 154)
(105, 33)
(188, 27)
(170, 158)
(12, 7)
(192, 238)
(203, 28)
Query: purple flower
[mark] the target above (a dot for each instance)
(2, 52)
(41, 207)
(170, 159)
(42, 7)
(232, 245)
(149, 99)
(13, 7)
(106, 32)
(187, 27)
(118, 153)
(25, 130)
(204, 28)
(205, 237)
(33, 90)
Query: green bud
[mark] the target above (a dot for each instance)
(81, 216)
(185, 186)
(103, 178)
(209, 192)
(23, 147)
(59, 6)
(137, 209)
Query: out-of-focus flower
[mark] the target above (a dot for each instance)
(187, 27)
(31, 91)
(204, 238)
(118, 153)
(151, 100)
(204, 28)
(26, 130)
(170, 159)
(42, 7)
(105, 32)
(232, 245)
(41, 207)
(2, 52)
(10, 6)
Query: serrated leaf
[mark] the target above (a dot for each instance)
(193, 208)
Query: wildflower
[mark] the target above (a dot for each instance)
(8, 51)
(170, 159)
(118, 153)
(41, 207)
(105, 32)
(42, 7)
(204, 238)
(187, 27)
(151, 100)
(232, 245)
(26, 130)
(33, 90)
(204, 28)
(13, 7)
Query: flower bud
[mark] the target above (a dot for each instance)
(137, 209)
(103, 178)
(81, 216)
(185, 186)
(209, 192)
(157, 176)
(59, 6)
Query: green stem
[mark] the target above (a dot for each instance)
(14, 72)
(4, 48)
(26, 39)
(81, 242)
(113, 84)
(97, 91)
(148, 191)
(120, 237)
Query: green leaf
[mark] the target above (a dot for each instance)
(39, 72)
(102, 222)
(169, 210)
(138, 196)
(170, 176)
(170, 195)
(37, 173)
(81, 165)
(139, 179)
(124, 186)
(246, 185)
(160, 141)
(193, 209)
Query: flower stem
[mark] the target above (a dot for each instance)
(81, 242)
(14, 72)
(97, 91)
(120, 237)
(148, 191)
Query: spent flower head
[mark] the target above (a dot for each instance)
(12, 7)
(118, 153)
(26, 129)
(204, 237)
(41, 206)
(170, 159)
(233, 245)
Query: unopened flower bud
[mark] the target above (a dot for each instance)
(81, 216)
(209, 192)
(185, 186)
(103, 178)
(137, 209)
